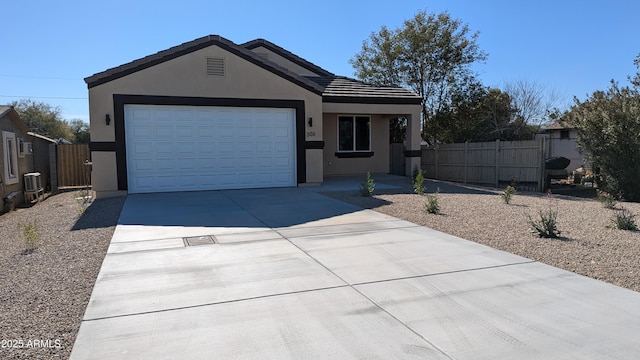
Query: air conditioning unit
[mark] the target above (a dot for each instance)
(33, 185)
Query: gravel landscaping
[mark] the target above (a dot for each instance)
(45, 292)
(587, 246)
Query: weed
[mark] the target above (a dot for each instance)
(30, 234)
(507, 194)
(431, 206)
(608, 200)
(367, 186)
(83, 198)
(547, 225)
(418, 183)
(624, 220)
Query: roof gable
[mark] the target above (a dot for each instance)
(250, 45)
(191, 46)
(11, 113)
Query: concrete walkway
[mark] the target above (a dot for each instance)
(294, 274)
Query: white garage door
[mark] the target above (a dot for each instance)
(180, 148)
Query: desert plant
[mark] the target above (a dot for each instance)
(367, 186)
(608, 200)
(624, 220)
(30, 234)
(82, 198)
(418, 183)
(431, 206)
(547, 225)
(507, 194)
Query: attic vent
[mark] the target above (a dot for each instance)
(263, 55)
(215, 66)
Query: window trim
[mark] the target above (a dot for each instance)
(10, 158)
(21, 147)
(368, 151)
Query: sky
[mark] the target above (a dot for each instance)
(573, 47)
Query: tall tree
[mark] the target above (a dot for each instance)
(80, 131)
(43, 119)
(430, 54)
(533, 104)
(608, 125)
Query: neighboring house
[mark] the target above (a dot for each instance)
(43, 148)
(561, 141)
(211, 114)
(15, 157)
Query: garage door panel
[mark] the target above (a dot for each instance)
(174, 148)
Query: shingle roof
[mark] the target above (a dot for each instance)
(344, 89)
(559, 125)
(332, 88)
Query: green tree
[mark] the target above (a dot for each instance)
(608, 125)
(43, 119)
(80, 131)
(430, 54)
(476, 113)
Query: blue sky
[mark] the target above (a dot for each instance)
(572, 46)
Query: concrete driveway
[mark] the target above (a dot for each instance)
(289, 273)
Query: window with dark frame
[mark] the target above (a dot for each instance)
(354, 133)
(564, 134)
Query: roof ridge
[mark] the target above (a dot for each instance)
(252, 44)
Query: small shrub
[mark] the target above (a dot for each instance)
(507, 194)
(431, 206)
(608, 200)
(547, 225)
(418, 183)
(368, 186)
(30, 234)
(83, 198)
(624, 220)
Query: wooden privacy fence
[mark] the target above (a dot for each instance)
(70, 166)
(495, 163)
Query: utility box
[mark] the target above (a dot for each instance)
(33, 186)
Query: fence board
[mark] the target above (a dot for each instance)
(70, 165)
(489, 163)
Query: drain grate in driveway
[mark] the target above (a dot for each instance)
(199, 240)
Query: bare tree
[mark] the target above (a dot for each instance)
(533, 103)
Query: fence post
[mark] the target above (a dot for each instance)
(466, 149)
(497, 163)
(541, 166)
(53, 167)
(436, 160)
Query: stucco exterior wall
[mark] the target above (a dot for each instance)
(378, 163)
(567, 147)
(185, 76)
(381, 163)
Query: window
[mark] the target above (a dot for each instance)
(10, 157)
(354, 133)
(21, 148)
(564, 134)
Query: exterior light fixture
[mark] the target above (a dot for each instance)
(310, 122)
(107, 119)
